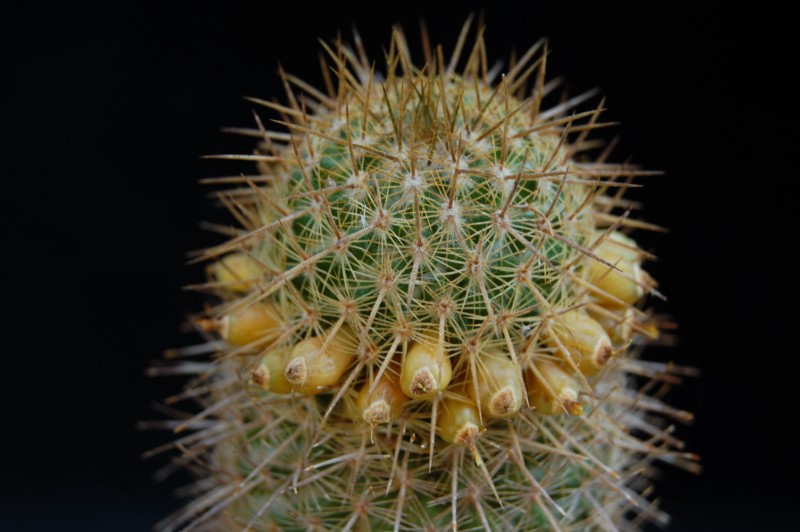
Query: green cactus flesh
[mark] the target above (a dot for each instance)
(424, 218)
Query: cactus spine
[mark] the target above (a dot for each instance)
(429, 314)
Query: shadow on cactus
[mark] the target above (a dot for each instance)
(429, 314)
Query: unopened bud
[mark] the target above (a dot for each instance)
(552, 391)
(425, 372)
(269, 374)
(319, 362)
(256, 322)
(499, 385)
(384, 404)
(458, 421)
(618, 323)
(625, 285)
(236, 272)
(584, 339)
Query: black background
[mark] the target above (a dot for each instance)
(110, 108)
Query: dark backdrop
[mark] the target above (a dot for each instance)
(110, 108)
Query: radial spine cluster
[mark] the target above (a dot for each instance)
(428, 312)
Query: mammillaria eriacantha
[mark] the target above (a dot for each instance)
(429, 312)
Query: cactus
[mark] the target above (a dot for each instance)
(428, 315)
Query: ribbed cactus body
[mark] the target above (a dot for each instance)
(426, 317)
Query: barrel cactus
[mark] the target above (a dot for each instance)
(429, 312)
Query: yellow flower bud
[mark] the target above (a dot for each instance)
(583, 338)
(552, 391)
(458, 421)
(383, 405)
(499, 385)
(618, 323)
(625, 285)
(425, 371)
(269, 374)
(236, 272)
(254, 323)
(319, 362)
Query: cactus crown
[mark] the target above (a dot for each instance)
(426, 316)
